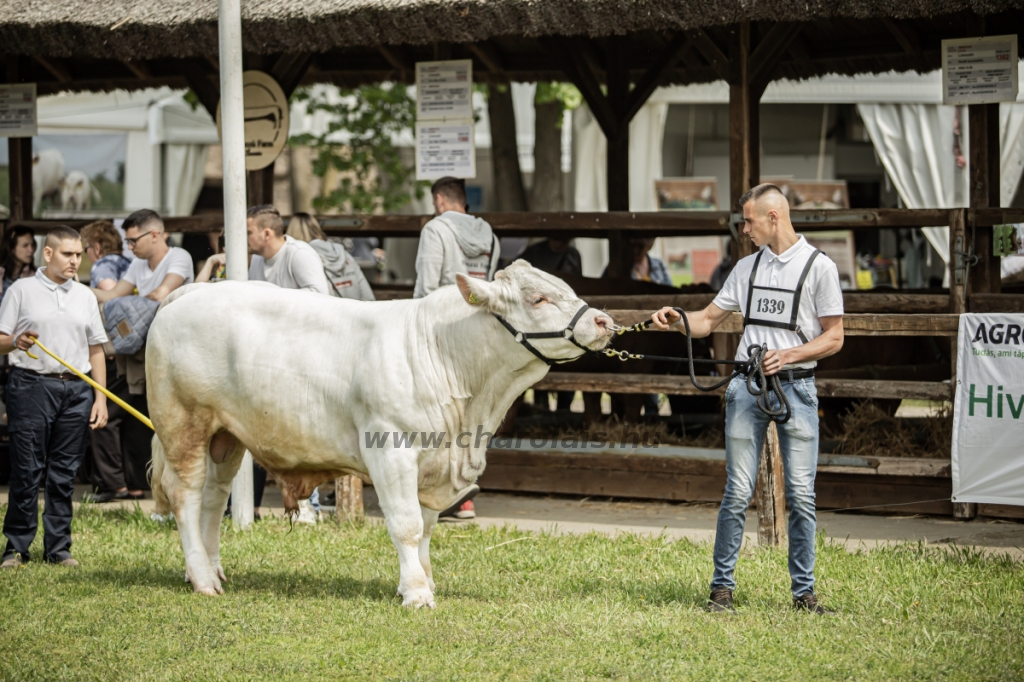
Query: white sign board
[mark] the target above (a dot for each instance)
(988, 415)
(445, 148)
(444, 90)
(979, 70)
(266, 119)
(18, 110)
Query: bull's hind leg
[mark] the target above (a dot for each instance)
(185, 445)
(396, 479)
(429, 521)
(216, 490)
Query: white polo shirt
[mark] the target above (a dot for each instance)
(821, 296)
(176, 261)
(295, 266)
(65, 316)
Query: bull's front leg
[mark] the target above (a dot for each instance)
(429, 521)
(395, 475)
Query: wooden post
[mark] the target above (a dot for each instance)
(348, 491)
(260, 185)
(958, 305)
(771, 498)
(620, 262)
(983, 169)
(744, 173)
(19, 151)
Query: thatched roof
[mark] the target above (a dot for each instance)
(150, 29)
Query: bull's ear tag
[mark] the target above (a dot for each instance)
(473, 300)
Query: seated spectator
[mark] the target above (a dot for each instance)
(103, 246)
(17, 256)
(646, 268)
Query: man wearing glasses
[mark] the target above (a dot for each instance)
(158, 269)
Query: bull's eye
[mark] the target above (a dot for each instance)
(539, 300)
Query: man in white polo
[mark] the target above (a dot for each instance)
(49, 409)
(290, 264)
(790, 298)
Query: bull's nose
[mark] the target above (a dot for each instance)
(604, 322)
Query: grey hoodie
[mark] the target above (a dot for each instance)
(452, 243)
(342, 270)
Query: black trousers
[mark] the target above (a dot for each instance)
(121, 450)
(48, 420)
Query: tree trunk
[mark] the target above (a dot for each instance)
(546, 193)
(509, 193)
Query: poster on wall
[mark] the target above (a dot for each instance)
(690, 260)
(445, 144)
(444, 90)
(979, 70)
(988, 413)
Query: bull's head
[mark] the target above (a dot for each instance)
(532, 301)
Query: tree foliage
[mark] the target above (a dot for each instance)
(359, 144)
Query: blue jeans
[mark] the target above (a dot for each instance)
(745, 428)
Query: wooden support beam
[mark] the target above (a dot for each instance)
(348, 494)
(397, 57)
(771, 497)
(680, 385)
(571, 54)
(744, 127)
(19, 160)
(620, 262)
(904, 34)
(852, 302)
(864, 324)
(289, 70)
(54, 66)
(707, 46)
(260, 186)
(983, 167)
(489, 57)
(663, 65)
(202, 84)
(140, 69)
(799, 51)
(769, 52)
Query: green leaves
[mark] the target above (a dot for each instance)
(357, 155)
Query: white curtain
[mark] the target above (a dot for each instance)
(184, 177)
(646, 133)
(915, 145)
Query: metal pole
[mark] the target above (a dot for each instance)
(233, 146)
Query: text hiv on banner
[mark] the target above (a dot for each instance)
(988, 415)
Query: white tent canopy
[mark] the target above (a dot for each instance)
(166, 140)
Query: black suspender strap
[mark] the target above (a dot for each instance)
(750, 286)
(799, 292)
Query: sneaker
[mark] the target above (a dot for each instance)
(13, 561)
(720, 601)
(454, 510)
(466, 510)
(809, 602)
(307, 515)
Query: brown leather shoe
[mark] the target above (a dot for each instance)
(13, 561)
(809, 602)
(70, 562)
(720, 601)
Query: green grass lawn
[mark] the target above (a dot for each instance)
(319, 603)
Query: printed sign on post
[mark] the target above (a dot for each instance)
(444, 90)
(979, 70)
(445, 149)
(988, 415)
(18, 110)
(445, 145)
(266, 119)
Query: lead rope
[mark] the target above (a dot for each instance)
(758, 385)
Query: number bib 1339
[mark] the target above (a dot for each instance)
(771, 305)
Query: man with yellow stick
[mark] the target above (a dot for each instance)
(49, 408)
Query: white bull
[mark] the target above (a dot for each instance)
(47, 174)
(307, 382)
(77, 191)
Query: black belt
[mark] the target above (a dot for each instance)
(794, 374)
(63, 376)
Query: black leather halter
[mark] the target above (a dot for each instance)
(568, 333)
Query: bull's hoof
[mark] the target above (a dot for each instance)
(219, 571)
(211, 586)
(416, 599)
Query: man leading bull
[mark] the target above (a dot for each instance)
(790, 298)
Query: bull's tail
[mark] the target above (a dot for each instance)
(156, 473)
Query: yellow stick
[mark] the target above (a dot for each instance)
(127, 408)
